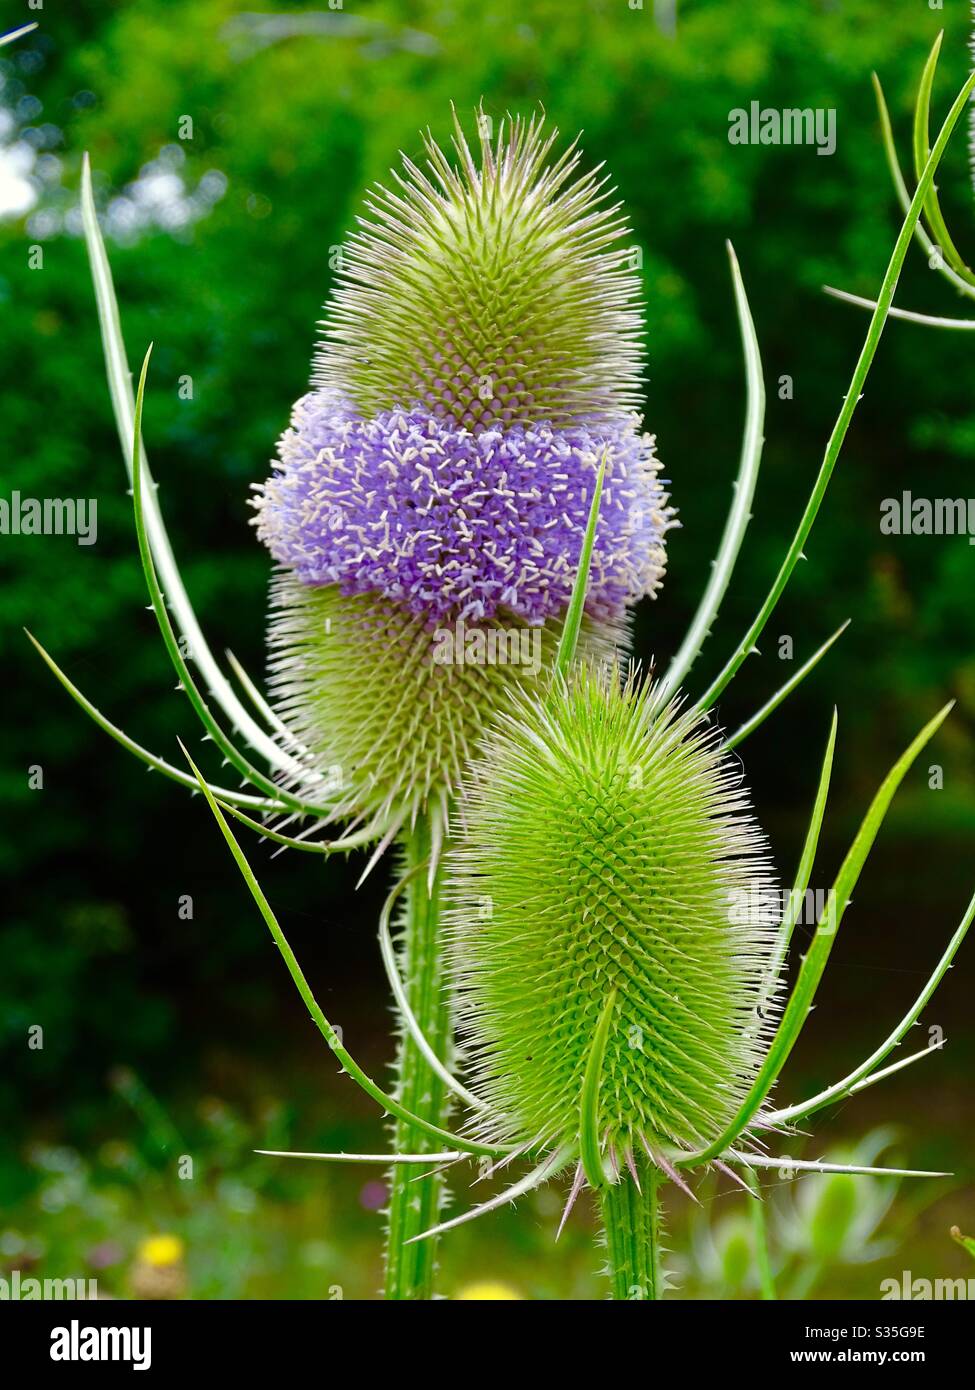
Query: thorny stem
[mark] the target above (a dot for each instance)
(415, 1200)
(631, 1221)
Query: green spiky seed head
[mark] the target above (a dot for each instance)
(495, 291)
(385, 712)
(608, 846)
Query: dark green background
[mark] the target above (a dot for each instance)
(93, 865)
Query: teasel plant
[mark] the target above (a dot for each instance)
(931, 230)
(605, 1117)
(481, 357)
(480, 352)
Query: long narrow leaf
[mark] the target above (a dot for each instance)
(168, 633)
(770, 706)
(740, 512)
(15, 34)
(908, 315)
(545, 1170)
(449, 1157)
(801, 1165)
(573, 618)
(865, 1069)
(932, 208)
(123, 406)
(341, 846)
(347, 1062)
(403, 1004)
(814, 963)
(156, 764)
(935, 258)
(255, 696)
(895, 1067)
(589, 1150)
(833, 447)
(803, 874)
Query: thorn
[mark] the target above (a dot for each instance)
(668, 1169)
(735, 1177)
(574, 1191)
(628, 1155)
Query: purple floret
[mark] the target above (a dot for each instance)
(452, 524)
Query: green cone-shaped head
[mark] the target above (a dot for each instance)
(608, 847)
(490, 291)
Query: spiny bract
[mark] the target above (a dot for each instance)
(496, 291)
(389, 712)
(606, 845)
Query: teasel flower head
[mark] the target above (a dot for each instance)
(493, 291)
(609, 892)
(481, 360)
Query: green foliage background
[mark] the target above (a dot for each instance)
(93, 865)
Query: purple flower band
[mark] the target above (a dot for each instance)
(454, 524)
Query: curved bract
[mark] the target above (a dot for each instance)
(934, 239)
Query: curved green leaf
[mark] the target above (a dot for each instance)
(811, 972)
(740, 512)
(838, 435)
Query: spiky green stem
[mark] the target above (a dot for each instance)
(415, 1199)
(631, 1221)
